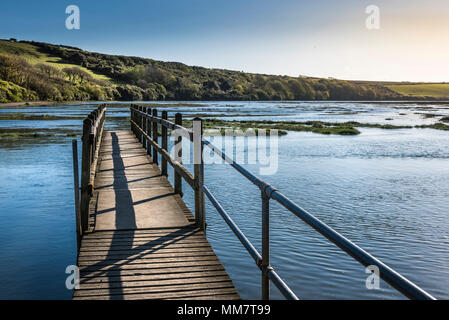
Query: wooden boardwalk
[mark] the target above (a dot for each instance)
(142, 242)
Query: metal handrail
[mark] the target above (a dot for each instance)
(396, 280)
(399, 282)
(278, 282)
(169, 124)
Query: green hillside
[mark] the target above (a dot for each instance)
(41, 71)
(434, 90)
(33, 56)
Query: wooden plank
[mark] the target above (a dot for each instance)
(142, 249)
(168, 288)
(149, 287)
(155, 260)
(154, 279)
(168, 273)
(187, 294)
(155, 265)
(154, 256)
(143, 243)
(151, 269)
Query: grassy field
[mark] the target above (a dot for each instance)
(33, 56)
(437, 90)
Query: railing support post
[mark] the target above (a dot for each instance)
(148, 127)
(178, 155)
(135, 120)
(144, 127)
(198, 166)
(77, 193)
(139, 121)
(136, 116)
(265, 245)
(131, 108)
(154, 137)
(164, 144)
(85, 173)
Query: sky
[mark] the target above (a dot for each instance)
(322, 38)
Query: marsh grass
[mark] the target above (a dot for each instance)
(17, 133)
(24, 116)
(320, 127)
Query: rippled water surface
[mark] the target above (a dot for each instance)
(386, 190)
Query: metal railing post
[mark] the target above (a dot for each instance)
(178, 155)
(144, 128)
(135, 120)
(198, 166)
(154, 137)
(85, 173)
(148, 131)
(139, 121)
(91, 137)
(77, 193)
(265, 245)
(131, 109)
(164, 144)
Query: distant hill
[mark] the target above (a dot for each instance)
(40, 71)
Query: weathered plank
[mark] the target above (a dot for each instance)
(143, 244)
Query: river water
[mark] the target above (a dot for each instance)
(386, 190)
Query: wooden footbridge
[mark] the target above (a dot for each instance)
(141, 241)
(136, 237)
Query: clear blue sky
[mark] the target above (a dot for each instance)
(317, 38)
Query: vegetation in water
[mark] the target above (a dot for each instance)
(215, 126)
(16, 133)
(25, 116)
(437, 126)
(321, 127)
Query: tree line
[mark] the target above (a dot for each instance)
(135, 78)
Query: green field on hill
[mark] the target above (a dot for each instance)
(436, 90)
(31, 55)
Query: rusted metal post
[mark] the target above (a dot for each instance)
(198, 168)
(154, 137)
(77, 193)
(144, 127)
(134, 119)
(148, 131)
(85, 173)
(131, 109)
(139, 121)
(164, 144)
(178, 155)
(265, 245)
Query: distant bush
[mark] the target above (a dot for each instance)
(10, 92)
(130, 93)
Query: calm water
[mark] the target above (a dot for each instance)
(386, 190)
